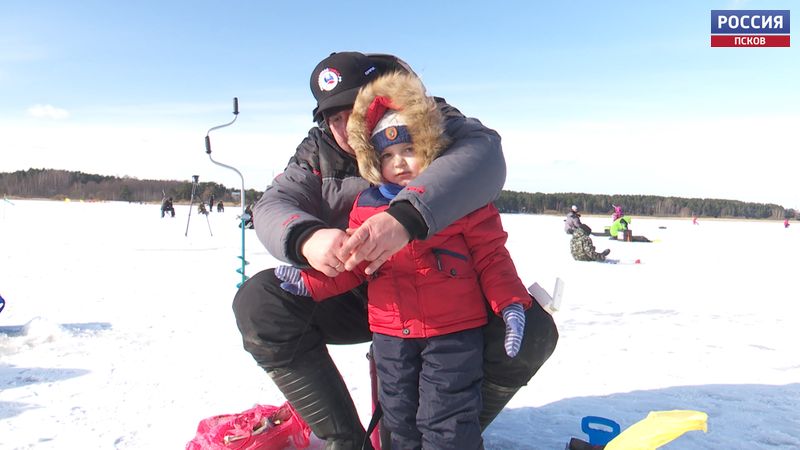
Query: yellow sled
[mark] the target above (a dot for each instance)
(657, 429)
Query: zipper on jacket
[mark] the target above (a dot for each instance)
(438, 252)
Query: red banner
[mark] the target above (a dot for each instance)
(726, 40)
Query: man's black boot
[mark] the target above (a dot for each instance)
(494, 398)
(314, 387)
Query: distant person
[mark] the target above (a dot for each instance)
(220, 207)
(618, 213)
(582, 247)
(428, 304)
(211, 203)
(201, 208)
(248, 217)
(166, 207)
(786, 223)
(619, 226)
(573, 220)
(694, 220)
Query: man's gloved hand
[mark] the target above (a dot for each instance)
(293, 282)
(514, 317)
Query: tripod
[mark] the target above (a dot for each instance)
(195, 179)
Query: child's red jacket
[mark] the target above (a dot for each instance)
(436, 286)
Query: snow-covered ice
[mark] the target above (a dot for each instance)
(118, 331)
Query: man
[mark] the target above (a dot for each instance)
(166, 207)
(582, 247)
(301, 219)
(573, 220)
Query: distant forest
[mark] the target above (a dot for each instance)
(61, 184)
(639, 205)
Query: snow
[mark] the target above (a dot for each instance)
(118, 331)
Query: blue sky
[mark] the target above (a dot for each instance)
(600, 97)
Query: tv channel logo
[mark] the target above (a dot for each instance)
(749, 28)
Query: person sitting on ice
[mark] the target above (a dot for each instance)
(619, 226)
(220, 207)
(248, 217)
(573, 220)
(201, 208)
(618, 213)
(582, 247)
(166, 207)
(427, 303)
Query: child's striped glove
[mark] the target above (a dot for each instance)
(514, 317)
(292, 281)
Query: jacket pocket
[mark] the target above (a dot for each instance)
(453, 264)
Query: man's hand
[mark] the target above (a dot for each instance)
(376, 240)
(320, 250)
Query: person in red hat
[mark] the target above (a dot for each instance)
(302, 219)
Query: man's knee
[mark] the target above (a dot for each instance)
(273, 329)
(538, 344)
(250, 298)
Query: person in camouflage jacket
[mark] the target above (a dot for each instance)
(582, 247)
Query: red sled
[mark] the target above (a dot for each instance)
(263, 427)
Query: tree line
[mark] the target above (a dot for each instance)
(61, 184)
(638, 205)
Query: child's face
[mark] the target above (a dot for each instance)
(400, 164)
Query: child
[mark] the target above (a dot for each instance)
(426, 303)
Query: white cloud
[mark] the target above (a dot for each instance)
(47, 112)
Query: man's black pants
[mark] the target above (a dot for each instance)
(277, 326)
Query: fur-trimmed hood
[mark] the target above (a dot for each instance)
(422, 117)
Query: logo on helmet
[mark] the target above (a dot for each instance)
(391, 133)
(329, 79)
